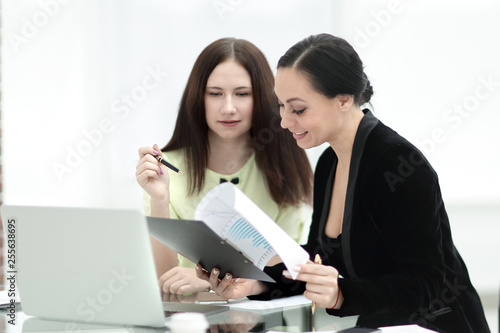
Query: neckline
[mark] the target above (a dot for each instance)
(234, 174)
(366, 125)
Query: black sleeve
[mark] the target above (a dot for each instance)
(282, 288)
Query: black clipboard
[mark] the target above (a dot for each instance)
(200, 244)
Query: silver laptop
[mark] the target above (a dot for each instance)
(88, 265)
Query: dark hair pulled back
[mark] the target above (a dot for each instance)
(333, 66)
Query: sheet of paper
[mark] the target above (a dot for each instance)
(235, 229)
(405, 329)
(231, 214)
(301, 332)
(279, 303)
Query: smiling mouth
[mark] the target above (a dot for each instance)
(299, 135)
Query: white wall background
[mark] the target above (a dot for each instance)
(79, 95)
(71, 68)
(74, 96)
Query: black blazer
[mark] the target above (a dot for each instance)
(395, 254)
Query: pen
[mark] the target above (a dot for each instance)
(168, 165)
(317, 260)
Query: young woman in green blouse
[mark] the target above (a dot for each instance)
(227, 129)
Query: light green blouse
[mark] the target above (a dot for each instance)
(294, 220)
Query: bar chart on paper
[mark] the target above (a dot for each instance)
(241, 223)
(233, 227)
(242, 230)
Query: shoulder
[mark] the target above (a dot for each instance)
(389, 158)
(385, 146)
(383, 138)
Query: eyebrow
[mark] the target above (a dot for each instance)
(237, 88)
(294, 99)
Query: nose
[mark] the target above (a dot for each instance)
(286, 118)
(228, 107)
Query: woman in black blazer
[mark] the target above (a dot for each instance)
(379, 221)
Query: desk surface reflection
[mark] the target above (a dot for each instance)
(283, 317)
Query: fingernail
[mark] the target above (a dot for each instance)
(296, 268)
(228, 277)
(197, 267)
(161, 171)
(286, 273)
(155, 152)
(215, 272)
(237, 280)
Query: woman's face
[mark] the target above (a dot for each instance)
(312, 117)
(229, 101)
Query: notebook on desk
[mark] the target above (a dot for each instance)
(89, 265)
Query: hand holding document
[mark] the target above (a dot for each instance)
(231, 233)
(238, 220)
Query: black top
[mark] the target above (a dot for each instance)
(396, 254)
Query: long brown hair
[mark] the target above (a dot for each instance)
(286, 167)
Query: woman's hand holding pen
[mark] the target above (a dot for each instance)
(151, 175)
(321, 284)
